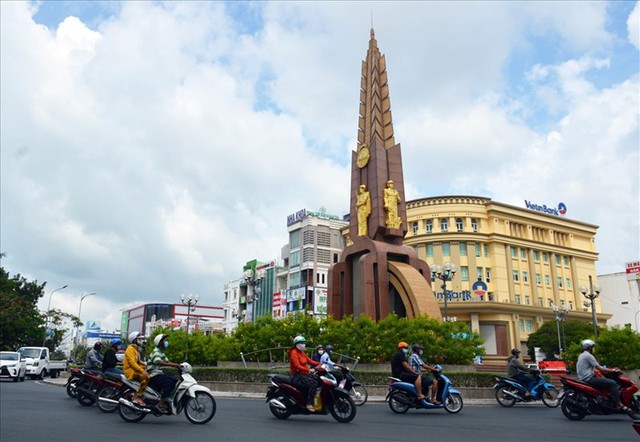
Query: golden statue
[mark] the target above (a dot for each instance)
(391, 201)
(363, 209)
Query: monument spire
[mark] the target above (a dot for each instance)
(375, 104)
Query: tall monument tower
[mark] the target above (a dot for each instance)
(377, 274)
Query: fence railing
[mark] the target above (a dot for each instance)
(270, 351)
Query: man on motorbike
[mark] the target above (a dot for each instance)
(318, 354)
(162, 383)
(135, 367)
(517, 371)
(110, 361)
(93, 361)
(417, 364)
(402, 370)
(585, 369)
(325, 359)
(301, 374)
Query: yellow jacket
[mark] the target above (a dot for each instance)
(132, 363)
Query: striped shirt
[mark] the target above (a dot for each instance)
(156, 356)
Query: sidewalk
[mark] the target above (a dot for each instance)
(62, 380)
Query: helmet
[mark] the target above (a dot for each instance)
(299, 339)
(186, 367)
(403, 344)
(97, 344)
(587, 343)
(328, 347)
(159, 338)
(133, 336)
(116, 341)
(515, 351)
(416, 347)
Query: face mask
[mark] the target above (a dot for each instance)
(301, 346)
(420, 352)
(166, 344)
(405, 350)
(320, 352)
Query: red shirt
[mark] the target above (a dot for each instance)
(299, 361)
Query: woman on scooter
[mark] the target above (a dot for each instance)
(301, 373)
(585, 369)
(162, 383)
(134, 367)
(401, 369)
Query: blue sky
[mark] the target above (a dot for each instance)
(151, 149)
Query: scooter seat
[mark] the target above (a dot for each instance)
(281, 378)
(113, 376)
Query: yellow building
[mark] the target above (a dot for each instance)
(529, 261)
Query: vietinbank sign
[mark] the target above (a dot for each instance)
(557, 211)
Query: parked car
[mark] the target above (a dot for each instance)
(12, 365)
(38, 363)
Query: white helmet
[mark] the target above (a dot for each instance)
(186, 367)
(133, 336)
(159, 338)
(587, 343)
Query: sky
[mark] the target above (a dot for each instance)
(150, 149)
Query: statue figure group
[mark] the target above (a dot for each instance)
(363, 208)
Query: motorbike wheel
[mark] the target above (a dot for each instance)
(550, 397)
(570, 412)
(108, 392)
(453, 404)
(397, 402)
(359, 394)
(71, 388)
(503, 398)
(342, 408)
(86, 400)
(280, 413)
(129, 414)
(634, 405)
(201, 408)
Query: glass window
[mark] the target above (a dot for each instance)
(547, 280)
(514, 252)
(523, 254)
(294, 279)
(479, 272)
(570, 305)
(294, 259)
(517, 298)
(549, 303)
(566, 260)
(545, 256)
(527, 300)
(486, 250)
(444, 225)
(477, 250)
(464, 273)
(446, 249)
(525, 276)
(459, 224)
(488, 273)
(538, 279)
(529, 325)
(516, 275)
(474, 224)
(463, 249)
(294, 239)
(430, 250)
(560, 281)
(428, 225)
(557, 259)
(521, 325)
(540, 302)
(536, 255)
(567, 283)
(414, 227)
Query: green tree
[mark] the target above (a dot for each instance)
(57, 326)
(546, 337)
(619, 347)
(22, 323)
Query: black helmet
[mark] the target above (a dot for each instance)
(328, 347)
(97, 345)
(515, 352)
(416, 347)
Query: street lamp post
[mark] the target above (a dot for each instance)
(46, 324)
(190, 301)
(253, 278)
(445, 273)
(75, 342)
(591, 294)
(561, 312)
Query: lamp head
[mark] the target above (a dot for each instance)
(597, 289)
(583, 289)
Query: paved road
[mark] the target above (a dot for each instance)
(34, 411)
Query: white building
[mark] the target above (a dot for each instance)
(620, 296)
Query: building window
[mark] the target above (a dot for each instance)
(430, 250)
(488, 273)
(540, 302)
(463, 249)
(567, 283)
(516, 275)
(558, 260)
(521, 325)
(545, 256)
(477, 250)
(529, 325)
(566, 260)
(547, 280)
(523, 254)
(560, 281)
(294, 279)
(428, 225)
(294, 239)
(538, 279)
(444, 225)
(536, 255)
(479, 272)
(525, 276)
(527, 300)
(491, 297)
(514, 252)
(474, 224)
(459, 224)
(549, 303)
(446, 249)
(464, 273)
(294, 259)
(486, 250)
(517, 298)
(415, 228)
(570, 305)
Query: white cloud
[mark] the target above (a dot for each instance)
(633, 26)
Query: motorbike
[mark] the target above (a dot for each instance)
(285, 399)
(92, 382)
(508, 391)
(580, 399)
(356, 390)
(196, 400)
(72, 381)
(402, 395)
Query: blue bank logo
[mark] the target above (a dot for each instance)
(549, 210)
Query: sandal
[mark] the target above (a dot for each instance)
(435, 401)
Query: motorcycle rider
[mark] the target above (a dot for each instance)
(162, 383)
(326, 360)
(301, 374)
(318, 354)
(135, 367)
(402, 370)
(517, 371)
(585, 369)
(417, 364)
(93, 361)
(110, 361)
